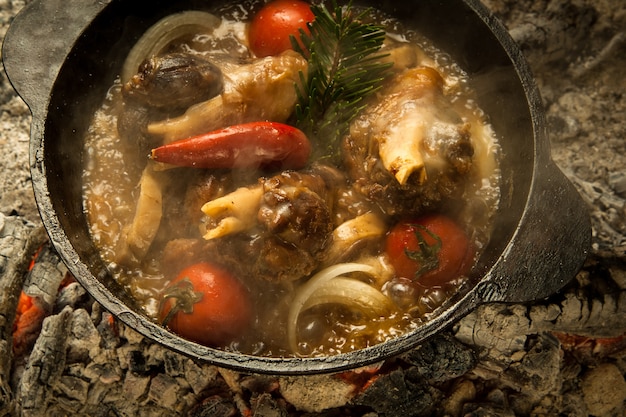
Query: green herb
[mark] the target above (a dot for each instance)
(427, 256)
(345, 67)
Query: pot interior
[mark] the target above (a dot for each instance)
(96, 59)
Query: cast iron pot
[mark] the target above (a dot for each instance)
(61, 56)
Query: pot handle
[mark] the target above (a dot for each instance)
(549, 247)
(38, 41)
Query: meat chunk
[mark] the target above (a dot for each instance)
(164, 86)
(261, 90)
(137, 236)
(182, 204)
(295, 210)
(410, 150)
(174, 81)
(232, 213)
(276, 230)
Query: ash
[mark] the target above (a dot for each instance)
(562, 356)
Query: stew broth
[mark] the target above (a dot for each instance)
(292, 226)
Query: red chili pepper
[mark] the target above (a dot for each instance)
(248, 145)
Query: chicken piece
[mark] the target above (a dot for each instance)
(410, 150)
(295, 209)
(262, 90)
(233, 213)
(137, 237)
(275, 231)
(353, 235)
(164, 86)
(183, 197)
(401, 55)
(174, 81)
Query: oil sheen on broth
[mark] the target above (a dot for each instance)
(309, 244)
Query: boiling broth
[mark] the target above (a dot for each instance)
(114, 181)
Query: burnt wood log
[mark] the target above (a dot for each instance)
(401, 393)
(45, 366)
(19, 240)
(442, 359)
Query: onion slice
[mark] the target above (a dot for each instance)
(162, 33)
(351, 293)
(307, 295)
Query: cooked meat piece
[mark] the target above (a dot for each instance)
(232, 213)
(137, 236)
(207, 185)
(295, 210)
(166, 211)
(409, 151)
(350, 204)
(180, 253)
(174, 81)
(261, 90)
(276, 230)
(402, 55)
(182, 204)
(354, 236)
(282, 228)
(165, 86)
(278, 261)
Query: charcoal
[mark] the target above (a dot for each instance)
(316, 393)
(442, 358)
(399, 393)
(107, 329)
(538, 373)
(260, 383)
(495, 327)
(462, 391)
(163, 390)
(45, 276)
(84, 345)
(604, 390)
(199, 377)
(73, 388)
(174, 364)
(73, 295)
(617, 181)
(137, 363)
(46, 364)
(265, 405)
(135, 386)
(216, 406)
(19, 240)
(486, 410)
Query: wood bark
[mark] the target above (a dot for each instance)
(19, 240)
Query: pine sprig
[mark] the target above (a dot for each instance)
(345, 67)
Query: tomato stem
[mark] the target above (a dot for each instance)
(427, 256)
(184, 298)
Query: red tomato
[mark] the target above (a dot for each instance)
(271, 27)
(430, 250)
(211, 306)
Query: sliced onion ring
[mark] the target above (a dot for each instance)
(162, 33)
(353, 294)
(307, 295)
